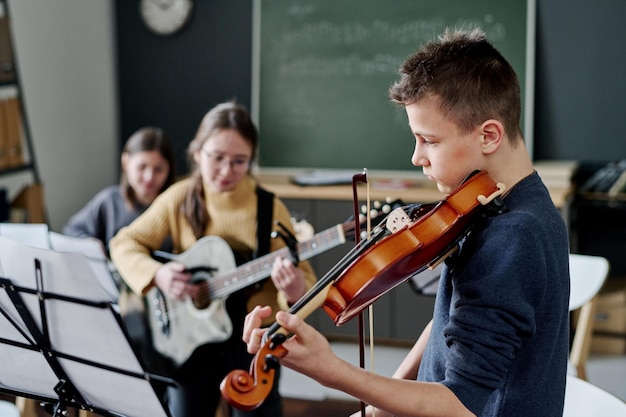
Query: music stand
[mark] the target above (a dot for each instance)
(62, 341)
(93, 251)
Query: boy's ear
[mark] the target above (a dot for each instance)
(492, 132)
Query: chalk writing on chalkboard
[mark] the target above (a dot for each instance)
(323, 68)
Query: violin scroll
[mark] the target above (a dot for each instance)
(247, 390)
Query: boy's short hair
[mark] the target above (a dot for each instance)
(469, 78)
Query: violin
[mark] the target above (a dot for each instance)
(407, 245)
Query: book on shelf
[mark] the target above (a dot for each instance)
(11, 132)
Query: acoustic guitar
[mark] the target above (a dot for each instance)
(179, 327)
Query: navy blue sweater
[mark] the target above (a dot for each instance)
(500, 335)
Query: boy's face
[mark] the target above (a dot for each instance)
(445, 155)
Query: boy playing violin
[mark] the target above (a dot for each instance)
(497, 344)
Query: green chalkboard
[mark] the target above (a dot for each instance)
(322, 69)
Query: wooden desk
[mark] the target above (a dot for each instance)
(416, 191)
(412, 188)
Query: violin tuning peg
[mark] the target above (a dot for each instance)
(364, 209)
(386, 209)
(277, 339)
(363, 235)
(377, 204)
(271, 362)
(373, 213)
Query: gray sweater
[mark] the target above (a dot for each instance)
(103, 216)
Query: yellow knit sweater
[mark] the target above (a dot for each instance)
(233, 217)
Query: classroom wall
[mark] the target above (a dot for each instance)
(580, 85)
(579, 73)
(71, 53)
(64, 51)
(172, 81)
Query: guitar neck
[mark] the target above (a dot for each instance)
(258, 269)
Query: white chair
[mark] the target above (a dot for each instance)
(587, 275)
(583, 399)
(8, 409)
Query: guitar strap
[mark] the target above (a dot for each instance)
(265, 213)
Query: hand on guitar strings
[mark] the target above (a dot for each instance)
(174, 281)
(288, 278)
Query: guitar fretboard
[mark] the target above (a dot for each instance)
(261, 268)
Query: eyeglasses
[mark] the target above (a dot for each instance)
(237, 164)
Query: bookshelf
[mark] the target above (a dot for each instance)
(16, 150)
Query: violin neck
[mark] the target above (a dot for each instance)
(305, 306)
(319, 293)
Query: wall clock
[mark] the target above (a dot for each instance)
(165, 17)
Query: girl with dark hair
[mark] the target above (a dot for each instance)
(148, 168)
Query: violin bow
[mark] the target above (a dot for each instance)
(361, 178)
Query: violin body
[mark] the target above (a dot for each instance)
(371, 269)
(408, 251)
